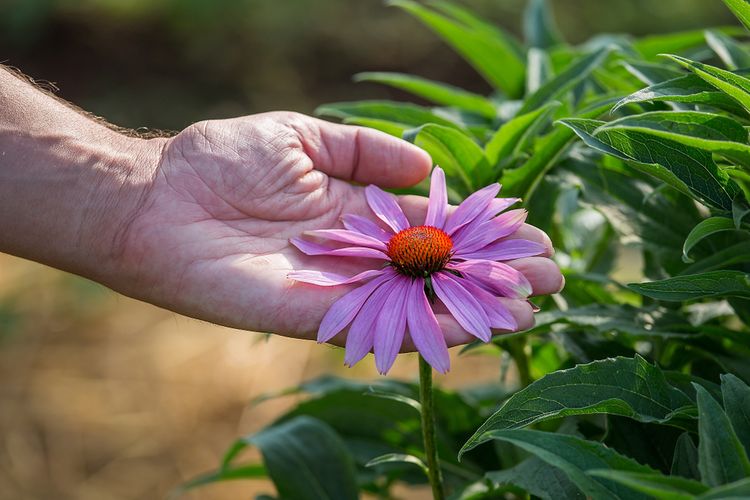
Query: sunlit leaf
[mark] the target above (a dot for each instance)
(703, 230)
(621, 386)
(437, 92)
(735, 86)
(566, 80)
(732, 54)
(741, 9)
(685, 168)
(539, 26)
(688, 89)
(493, 56)
(408, 115)
(511, 137)
(696, 286)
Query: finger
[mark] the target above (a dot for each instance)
(543, 274)
(532, 233)
(456, 335)
(361, 154)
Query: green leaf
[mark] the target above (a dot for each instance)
(652, 73)
(473, 21)
(571, 76)
(688, 88)
(721, 259)
(576, 457)
(732, 54)
(687, 169)
(656, 485)
(398, 458)
(738, 490)
(511, 138)
(735, 86)
(305, 458)
(522, 181)
(696, 286)
(493, 56)
(629, 387)
(721, 457)
(736, 396)
(635, 205)
(538, 478)
(539, 27)
(615, 318)
(709, 132)
(539, 69)
(652, 46)
(741, 9)
(739, 210)
(408, 115)
(585, 130)
(685, 458)
(219, 475)
(704, 229)
(457, 153)
(395, 397)
(437, 92)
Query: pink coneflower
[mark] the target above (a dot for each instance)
(452, 259)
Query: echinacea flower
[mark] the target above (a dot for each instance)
(452, 258)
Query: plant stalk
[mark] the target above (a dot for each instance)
(434, 473)
(517, 349)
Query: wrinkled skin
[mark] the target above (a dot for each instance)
(210, 238)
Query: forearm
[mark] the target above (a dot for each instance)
(67, 183)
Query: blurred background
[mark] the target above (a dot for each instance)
(103, 397)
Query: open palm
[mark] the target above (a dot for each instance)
(211, 238)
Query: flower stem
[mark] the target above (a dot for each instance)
(517, 349)
(428, 430)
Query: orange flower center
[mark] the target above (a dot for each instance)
(420, 251)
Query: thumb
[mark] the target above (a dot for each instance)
(361, 154)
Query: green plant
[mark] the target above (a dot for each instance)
(627, 158)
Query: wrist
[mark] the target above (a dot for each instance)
(68, 184)
(122, 175)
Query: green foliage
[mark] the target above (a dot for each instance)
(638, 166)
(620, 386)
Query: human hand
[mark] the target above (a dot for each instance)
(210, 238)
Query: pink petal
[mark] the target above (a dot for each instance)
(384, 205)
(471, 208)
(424, 328)
(505, 250)
(495, 277)
(499, 316)
(497, 205)
(438, 204)
(391, 325)
(345, 236)
(365, 226)
(479, 236)
(342, 311)
(361, 335)
(323, 278)
(310, 248)
(465, 308)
